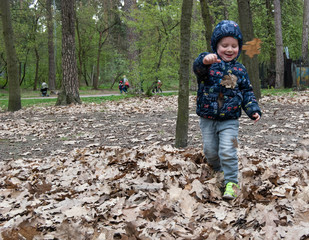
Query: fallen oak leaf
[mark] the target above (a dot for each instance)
(252, 47)
(229, 81)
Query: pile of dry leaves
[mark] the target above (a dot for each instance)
(112, 172)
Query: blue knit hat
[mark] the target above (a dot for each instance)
(226, 28)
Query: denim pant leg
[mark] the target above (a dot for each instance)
(228, 140)
(210, 142)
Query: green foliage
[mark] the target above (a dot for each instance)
(292, 14)
(157, 26)
(292, 22)
(158, 42)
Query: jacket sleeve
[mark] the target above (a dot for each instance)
(249, 103)
(199, 68)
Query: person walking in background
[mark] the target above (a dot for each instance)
(44, 88)
(126, 84)
(223, 89)
(120, 87)
(159, 85)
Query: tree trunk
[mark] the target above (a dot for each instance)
(100, 45)
(14, 88)
(37, 65)
(251, 64)
(270, 32)
(69, 90)
(51, 50)
(279, 46)
(207, 22)
(80, 54)
(305, 33)
(184, 75)
(130, 5)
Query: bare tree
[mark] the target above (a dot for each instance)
(305, 32)
(69, 90)
(252, 65)
(279, 46)
(184, 75)
(12, 64)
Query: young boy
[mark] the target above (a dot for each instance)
(223, 89)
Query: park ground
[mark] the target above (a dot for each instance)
(110, 171)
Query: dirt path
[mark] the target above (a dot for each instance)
(37, 132)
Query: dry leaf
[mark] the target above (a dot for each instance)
(252, 47)
(229, 81)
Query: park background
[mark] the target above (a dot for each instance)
(141, 39)
(107, 167)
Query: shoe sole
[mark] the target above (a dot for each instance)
(228, 197)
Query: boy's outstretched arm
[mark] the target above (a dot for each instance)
(202, 63)
(210, 59)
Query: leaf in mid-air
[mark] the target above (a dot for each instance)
(252, 47)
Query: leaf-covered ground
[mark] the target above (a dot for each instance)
(110, 171)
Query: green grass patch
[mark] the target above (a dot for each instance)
(276, 92)
(44, 102)
(52, 101)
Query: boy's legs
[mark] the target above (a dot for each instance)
(228, 141)
(220, 146)
(210, 142)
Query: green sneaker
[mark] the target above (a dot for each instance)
(230, 191)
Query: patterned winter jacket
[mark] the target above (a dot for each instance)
(224, 88)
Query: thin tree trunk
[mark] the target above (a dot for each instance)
(270, 31)
(23, 68)
(69, 92)
(305, 33)
(80, 54)
(96, 79)
(129, 6)
(37, 65)
(51, 50)
(184, 75)
(207, 22)
(251, 64)
(279, 46)
(14, 88)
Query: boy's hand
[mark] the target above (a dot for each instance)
(257, 117)
(210, 59)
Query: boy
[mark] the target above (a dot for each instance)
(223, 89)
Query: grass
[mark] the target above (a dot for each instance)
(25, 93)
(52, 101)
(276, 92)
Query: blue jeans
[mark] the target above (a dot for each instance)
(220, 140)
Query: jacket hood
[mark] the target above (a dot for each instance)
(226, 28)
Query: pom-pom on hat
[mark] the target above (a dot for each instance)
(223, 29)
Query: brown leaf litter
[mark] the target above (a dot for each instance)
(110, 171)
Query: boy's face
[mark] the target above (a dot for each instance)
(228, 48)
